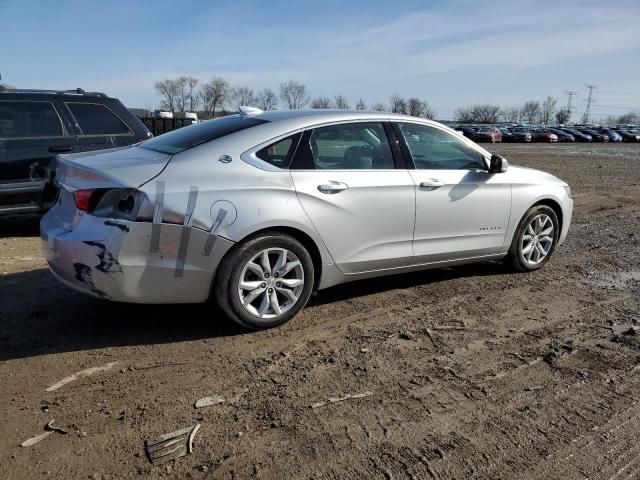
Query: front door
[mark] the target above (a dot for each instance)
(361, 205)
(462, 211)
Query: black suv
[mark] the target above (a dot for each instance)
(36, 125)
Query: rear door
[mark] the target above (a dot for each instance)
(32, 133)
(362, 206)
(99, 125)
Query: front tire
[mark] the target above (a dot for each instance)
(535, 239)
(265, 281)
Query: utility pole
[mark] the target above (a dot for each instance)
(571, 95)
(587, 110)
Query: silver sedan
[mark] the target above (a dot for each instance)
(260, 209)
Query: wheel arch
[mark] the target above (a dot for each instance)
(555, 206)
(305, 239)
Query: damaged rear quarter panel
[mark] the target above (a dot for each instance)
(112, 259)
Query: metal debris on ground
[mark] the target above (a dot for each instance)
(80, 374)
(407, 335)
(209, 401)
(49, 429)
(171, 445)
(36, 439)
(348, 396)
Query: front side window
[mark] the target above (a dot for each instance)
(29, 119)
(350, 146)
(96, 119)
(435, 149)
(279, 153)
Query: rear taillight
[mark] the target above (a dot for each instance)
(83, 199)
(121, 203)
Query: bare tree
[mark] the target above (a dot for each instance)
(429, 111)
(294, 94)
(185, 93)
(215, 94)
(361, 105)
(486, 113)
(563, 115)
(464, 115)
(419, 108)
(341, 102)
(267, 99)
(321, 103)
(244, 96)
(511, 114)
(548, 110)
(530, 111)
(415, 107)
(630, 117)
(168, 91)
(379, 107)
(397, 104)
(479, 113)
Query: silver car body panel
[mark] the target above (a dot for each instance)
(195, 207)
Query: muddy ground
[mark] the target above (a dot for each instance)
(474, 372)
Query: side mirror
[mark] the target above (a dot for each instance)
(498, 164)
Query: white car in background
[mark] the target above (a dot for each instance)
(260, 209)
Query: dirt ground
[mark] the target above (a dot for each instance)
(474, 372)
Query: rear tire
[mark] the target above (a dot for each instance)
(535, 239)
(264, 281)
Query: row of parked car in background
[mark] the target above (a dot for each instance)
(38, 125)
(511, 132)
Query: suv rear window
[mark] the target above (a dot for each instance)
(188, 137)
(96, 119)
(29, 119)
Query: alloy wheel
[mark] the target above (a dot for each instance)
(537, 239)
(271, 283)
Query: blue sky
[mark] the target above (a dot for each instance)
(451, 53)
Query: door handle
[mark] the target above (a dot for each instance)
(432, 183)
(66, 148)
(333, 187)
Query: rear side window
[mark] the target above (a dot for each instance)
(349, 146)
(96, 119)
(29, 119)
(279, 153)
(185, 138)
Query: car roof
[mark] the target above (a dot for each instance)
(310, 117)
(278, 121)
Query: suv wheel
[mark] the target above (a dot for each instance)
(265, 281)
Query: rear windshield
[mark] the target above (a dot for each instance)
(187, 137)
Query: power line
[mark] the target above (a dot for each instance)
(587, 110)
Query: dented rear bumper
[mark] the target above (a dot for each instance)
(119, 260)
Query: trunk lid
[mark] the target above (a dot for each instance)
(128, 167)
